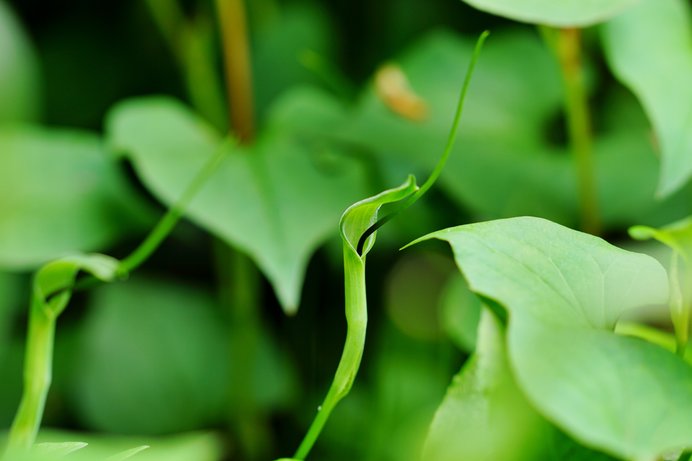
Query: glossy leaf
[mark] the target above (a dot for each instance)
(564, 13)
(650, 40)
(19, 74)
(144, 359)
(273, 200)
(564, 292)
(60, 194)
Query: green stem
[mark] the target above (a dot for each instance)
(237, 67)
(38, 366)
(38, 362)
(247, 417)
(679, 304)
(169, 220)
(568, 47)
(451, 139)
(356, 318)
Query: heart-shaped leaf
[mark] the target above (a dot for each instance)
(651, 40)
(60, 194)
(563, 13)
(564, 291)
(276, 201)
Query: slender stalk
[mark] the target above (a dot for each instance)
(234, 268)
(679, 303)
(354, 277)
(38, 366)
(568, 46)
(169, 220)
(451, 139)
(38, 362)
(356, 318)
(237, 66)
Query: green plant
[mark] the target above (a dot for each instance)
(570, 347)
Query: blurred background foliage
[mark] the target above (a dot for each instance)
(176, 349)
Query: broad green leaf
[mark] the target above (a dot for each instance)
(484, 414)
(274, 200)
(152, 360)
(19, 74)
(564, 13)
(651, 40)
(60, 193)
(620, 394)
(564, 292)
(585, 281)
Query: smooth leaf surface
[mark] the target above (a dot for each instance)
(564, 291)
(60, 193)
(274, 200)
(564, 13)
(651, 40)
(144, 361)
(484, 414)
(19, 73)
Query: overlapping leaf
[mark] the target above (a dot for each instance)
(564, 291)
(274, 200)
(652, 40)
(565, 13)
(60, 194)
(484, 414)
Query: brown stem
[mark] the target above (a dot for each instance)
(233, 22)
